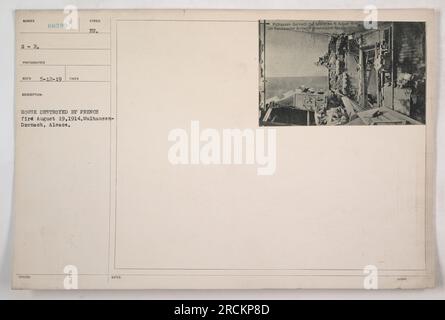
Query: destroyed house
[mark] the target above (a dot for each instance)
(380, 71)
(375, 75)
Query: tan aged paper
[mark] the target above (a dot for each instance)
(224, 149)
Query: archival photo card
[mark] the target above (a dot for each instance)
(148, 154)
(317, 73)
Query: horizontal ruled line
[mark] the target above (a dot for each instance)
(66, 49)
(73, 32)
(63, 65)
(63, 81)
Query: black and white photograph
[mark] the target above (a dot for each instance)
(341, 73)
(172, 152)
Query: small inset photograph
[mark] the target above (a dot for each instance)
(330, 73)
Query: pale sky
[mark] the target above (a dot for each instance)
(293, 53)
